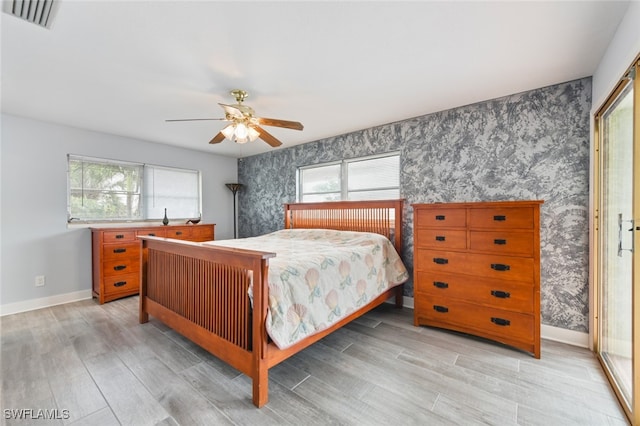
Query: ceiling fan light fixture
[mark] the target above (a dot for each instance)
(240, 132)
(229, 131)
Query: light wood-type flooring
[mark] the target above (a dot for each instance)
(98, 366)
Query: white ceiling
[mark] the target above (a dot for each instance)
(123, 67)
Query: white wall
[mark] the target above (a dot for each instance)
(623, 48)
(34, 236)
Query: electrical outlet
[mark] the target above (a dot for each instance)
(40, 280)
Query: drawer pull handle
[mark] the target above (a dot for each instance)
(500, 267)
(440, 238)
(499, 242)
(151, 234)
(120, 267)
(178, 232)
(119, 236)
(440, 260)
(500, 218)
(440, 284)
(120, 250)
(500, 294)
(119, 283)
(442, 309)
(500, 321)
(440, 217)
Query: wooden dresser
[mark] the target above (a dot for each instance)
(117, 255)
(477, 270)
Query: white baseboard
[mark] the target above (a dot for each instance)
(557, 334)
(408, 302)
(562, 335)
(44, 302)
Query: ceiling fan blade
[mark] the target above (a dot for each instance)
(280, 123)
(217, 138)
(232, 110)
(195, 119)
(267, 137)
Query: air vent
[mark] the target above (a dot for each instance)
(38, 12)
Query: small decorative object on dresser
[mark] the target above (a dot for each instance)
(477, 270)
(165, 221)
(117, 253)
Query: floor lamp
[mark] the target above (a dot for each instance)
(234, 187)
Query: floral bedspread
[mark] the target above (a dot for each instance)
(320, 276)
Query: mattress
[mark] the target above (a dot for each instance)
(320, 276)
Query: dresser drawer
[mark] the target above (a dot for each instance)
(202, 233)
(121, 266)
(445, 218)
(501, 267)
(510, 295)
(495, 322)
(121, 251)
(505, 242)
(152, 232)
(502, 218)
(440, 261)
(122, 283)
(118, 236)
(441, 238)
(179, 232)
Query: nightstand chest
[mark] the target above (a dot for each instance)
(117, 255)
(477, 270)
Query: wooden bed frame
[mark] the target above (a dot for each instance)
(200, 290)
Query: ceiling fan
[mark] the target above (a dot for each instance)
(244, 126)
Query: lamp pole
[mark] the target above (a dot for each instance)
(234, 187)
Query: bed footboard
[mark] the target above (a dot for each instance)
(202, 292)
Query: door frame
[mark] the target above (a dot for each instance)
(632, 411)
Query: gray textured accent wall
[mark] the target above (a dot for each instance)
(528, 146)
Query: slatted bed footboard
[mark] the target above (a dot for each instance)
(202, 293)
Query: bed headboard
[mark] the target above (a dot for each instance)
(381, 216)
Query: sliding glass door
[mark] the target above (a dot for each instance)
(618, 240)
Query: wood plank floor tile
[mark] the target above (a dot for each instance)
(348, 337)
(129, 399)
(232, 399)
(406, 411)
(349, 409)
(345, 377)
(461, 412)
(104, 417)
(183, 403)
(296, 410)
(396, 378)
(78, 394)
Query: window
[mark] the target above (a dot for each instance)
(109, 190)
(369, 178)
(177, 190)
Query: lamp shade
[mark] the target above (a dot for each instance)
(234, 187)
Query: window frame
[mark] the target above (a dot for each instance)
(344, 176)
(142, 218)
